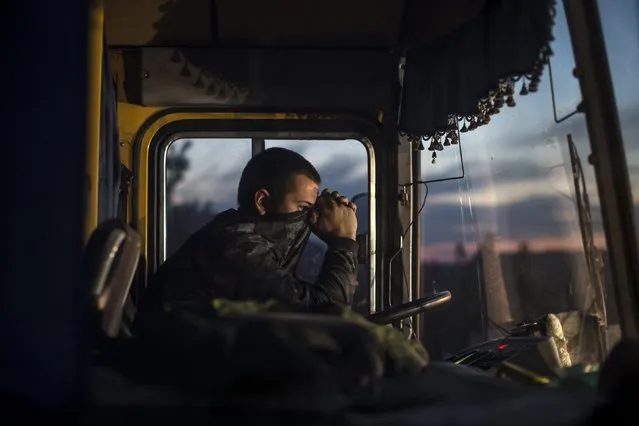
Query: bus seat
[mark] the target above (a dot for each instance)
(111, 259)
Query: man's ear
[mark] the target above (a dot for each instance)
(261, 201)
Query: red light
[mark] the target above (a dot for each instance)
(502, 347)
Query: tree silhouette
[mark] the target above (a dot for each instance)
(177, 163)
(182, 219)
(460, 252)
(524, 282)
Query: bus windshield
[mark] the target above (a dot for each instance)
(514, 230)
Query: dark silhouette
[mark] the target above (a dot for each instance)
(524, 274)
(176, 165)
(182, 219)
(542, 282)
(457, 324)
(460, 252)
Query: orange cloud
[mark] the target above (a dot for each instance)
(445, 252)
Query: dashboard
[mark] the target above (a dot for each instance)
(529, 359)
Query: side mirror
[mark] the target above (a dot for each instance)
(362, 253)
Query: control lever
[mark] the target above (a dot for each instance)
(530, 329)
(405, 310)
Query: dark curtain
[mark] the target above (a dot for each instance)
(425, 21)
(109, 177)
(444, 79)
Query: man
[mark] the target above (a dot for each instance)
(251, 253)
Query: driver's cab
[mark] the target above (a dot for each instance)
(469, 178)
(491, 149)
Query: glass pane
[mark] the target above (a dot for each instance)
(506, 238)
(447, 165)
(343, 166)
(620, 23)
(202, 178)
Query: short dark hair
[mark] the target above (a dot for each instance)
(272, 169)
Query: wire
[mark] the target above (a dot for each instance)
(499, 327)
(461, 162)
(409, 320)
(401, 248)
(412, 222)
(405, 233)
(419, 211)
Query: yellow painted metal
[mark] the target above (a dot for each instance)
(96, 34)
(130, 119)
(142, 172)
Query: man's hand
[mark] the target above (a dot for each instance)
(335, 216)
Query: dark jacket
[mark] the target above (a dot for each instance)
(237, 257)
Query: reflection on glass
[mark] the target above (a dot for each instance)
(202, 176)
(442, 165)
(507, 239)
(620, 23)
(343, 166)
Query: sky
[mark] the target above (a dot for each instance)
(517, 183)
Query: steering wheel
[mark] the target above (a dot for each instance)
(405, 310)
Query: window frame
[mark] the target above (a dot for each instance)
(157, 246)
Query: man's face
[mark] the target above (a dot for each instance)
(301, 196)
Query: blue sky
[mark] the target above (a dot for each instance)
(517, 183)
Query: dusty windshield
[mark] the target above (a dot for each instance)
(516, 233)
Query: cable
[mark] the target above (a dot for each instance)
(461, 161)
(409, 320)
(407, 230)
(419, 211)
(401, 248)
(417, 217)
(499, 327)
